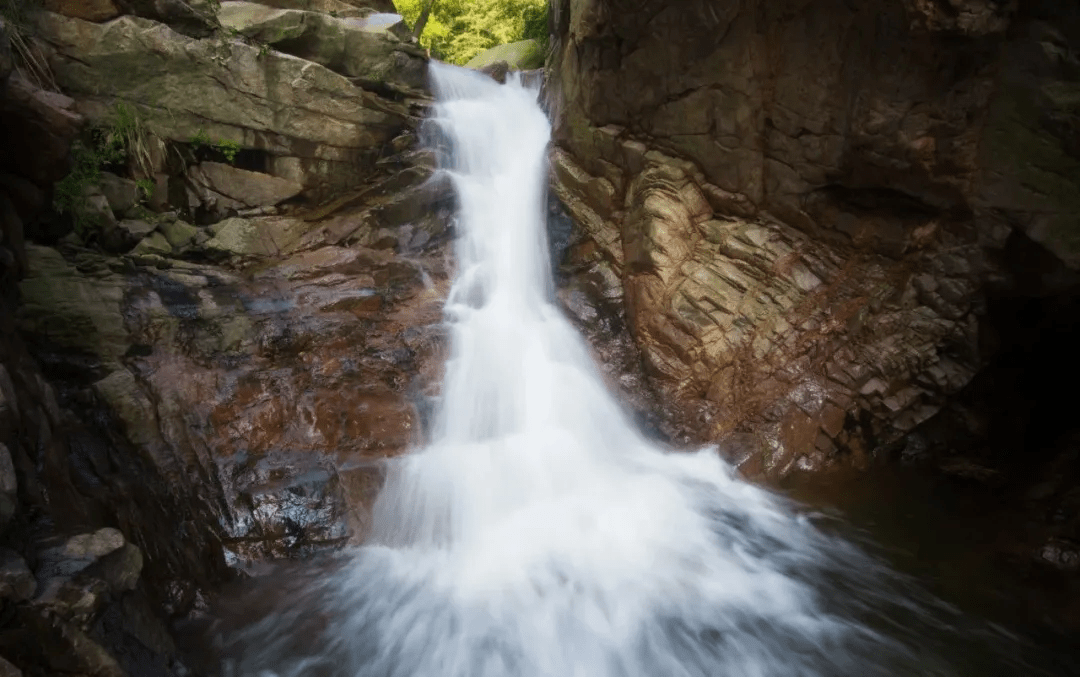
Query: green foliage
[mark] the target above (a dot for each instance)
(122, 140)
(458, 30)
(146, 188)
(29, 60)
(228, 149)
(127, 131)
(97, 149)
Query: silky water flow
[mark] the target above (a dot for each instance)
(539, 534)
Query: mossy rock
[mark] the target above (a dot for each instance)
(524, 55)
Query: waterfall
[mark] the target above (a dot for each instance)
(539, 534)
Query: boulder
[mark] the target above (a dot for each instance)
(16, 581)
(370, 49)
(251, 189)
(178, 233)
(519, 56)
(36, 131)
(155, 243)
(260, 236)
(9, 670)
(89, 10)
(122, 194)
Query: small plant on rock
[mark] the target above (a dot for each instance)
(227, 149)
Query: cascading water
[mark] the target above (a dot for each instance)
(539, 534)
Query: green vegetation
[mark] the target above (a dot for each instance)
(88, 156)
(458, 30)
(18, 17)
(122, 140)
(228, 149)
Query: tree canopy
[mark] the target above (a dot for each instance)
(458, 30)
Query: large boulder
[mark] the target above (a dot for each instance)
(250, 189)
(314, 125)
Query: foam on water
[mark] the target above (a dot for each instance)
(540, 534)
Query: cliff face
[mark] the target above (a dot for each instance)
(803, 204)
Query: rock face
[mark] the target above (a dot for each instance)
(205, 355)
(309, 124)
(800, 204)
(378, 53)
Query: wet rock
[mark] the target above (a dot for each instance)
(1062, 554)
(16, 580)
(89, 10)
(250, 189)
(750, 324)
(71, 311)
(497, 70)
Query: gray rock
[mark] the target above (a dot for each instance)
(122, 194)
(184, 87)
(179, 233)
(250, 189)
(155, 243)
(8, 670)
(136, 229)
(16, 580)
(95, 544)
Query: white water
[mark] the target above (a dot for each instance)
(540, 534)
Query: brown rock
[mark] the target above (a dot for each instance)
(88, 10)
